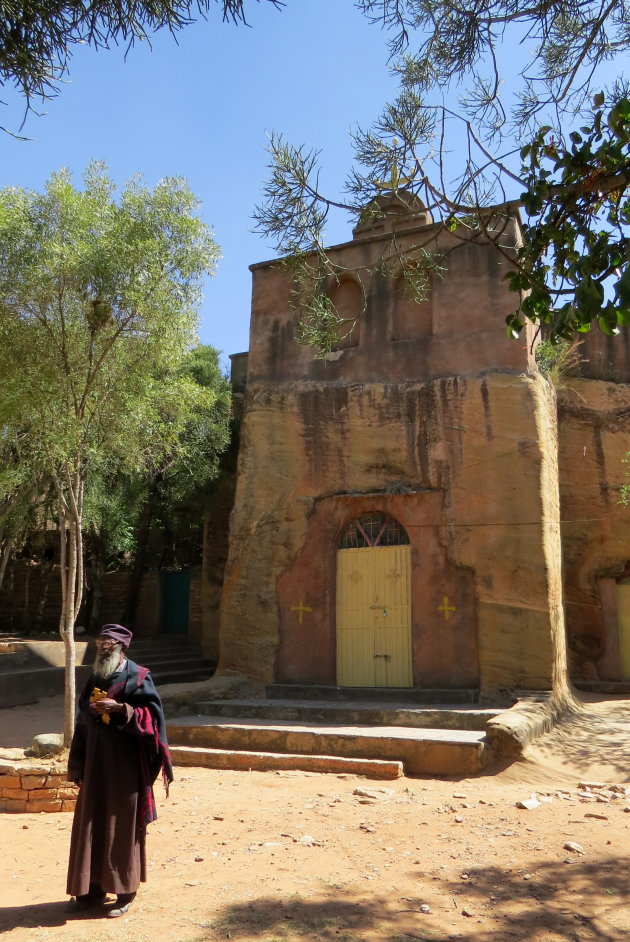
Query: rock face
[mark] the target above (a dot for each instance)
(427, 414)
(594, 440)
(471, 504)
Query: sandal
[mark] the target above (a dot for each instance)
(121, 906)
(88, 901)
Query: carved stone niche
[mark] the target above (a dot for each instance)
(347, 297)
(411, 319)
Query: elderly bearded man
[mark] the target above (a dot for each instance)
(118, 749)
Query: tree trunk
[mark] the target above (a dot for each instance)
(45, 570)
(27, 600)
(71, 570)
(5, 554)
(96, 588)
(9, 594)
(142, 540)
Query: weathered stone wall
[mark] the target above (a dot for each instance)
(594, 436)
(25, 786)
(462, 333)
(457, 461)
(605, 357)
(427, 412)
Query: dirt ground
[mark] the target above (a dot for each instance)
(282, 857)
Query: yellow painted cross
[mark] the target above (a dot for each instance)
(300, 609)
(445, 608)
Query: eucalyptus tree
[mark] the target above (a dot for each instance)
(22, 494)
(99, 293)
(502, 104)
(142, 514)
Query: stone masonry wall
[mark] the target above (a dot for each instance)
(29, 787)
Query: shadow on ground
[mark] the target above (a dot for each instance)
(41, 915)
(559, 902)
(591, 734)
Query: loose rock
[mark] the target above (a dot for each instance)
(529, 803)
(47, 744)
(307, 840)
(376, 794)
(574, 847)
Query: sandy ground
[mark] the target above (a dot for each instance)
(282, 857)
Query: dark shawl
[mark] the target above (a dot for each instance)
(133, 686)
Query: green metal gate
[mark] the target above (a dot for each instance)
(175, 597)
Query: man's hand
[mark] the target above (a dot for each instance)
(107, 706)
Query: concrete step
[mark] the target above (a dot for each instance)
(393, 694)
(422, 751)
(447, 716)
(273, 761)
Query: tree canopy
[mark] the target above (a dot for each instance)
(99, 294)
(37, 37)
(501, 104)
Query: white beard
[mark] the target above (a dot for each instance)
(107, 663)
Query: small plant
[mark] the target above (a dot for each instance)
(556, 360)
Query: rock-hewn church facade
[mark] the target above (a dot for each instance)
(417, 511)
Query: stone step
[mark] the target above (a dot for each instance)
(422, 751)
(445, 716)
(177, 675)
(165, 643)
(274, 761)
(160, 661)
(393, 694)
(30, 685)
(26, 683)
(618, 687)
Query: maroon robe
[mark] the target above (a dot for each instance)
(116, 763)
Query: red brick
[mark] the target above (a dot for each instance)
(14, 804)
(14, 793)
(69, 793)
(33, 781)
(46, 804)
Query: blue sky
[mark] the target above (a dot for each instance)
(201, 108)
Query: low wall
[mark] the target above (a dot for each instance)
(40, 786)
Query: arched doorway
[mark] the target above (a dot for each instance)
(374, 604)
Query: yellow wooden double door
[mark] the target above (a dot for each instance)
(374, 617)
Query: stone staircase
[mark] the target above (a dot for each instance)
(173, 659)
(31, 669)
(377, 738)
